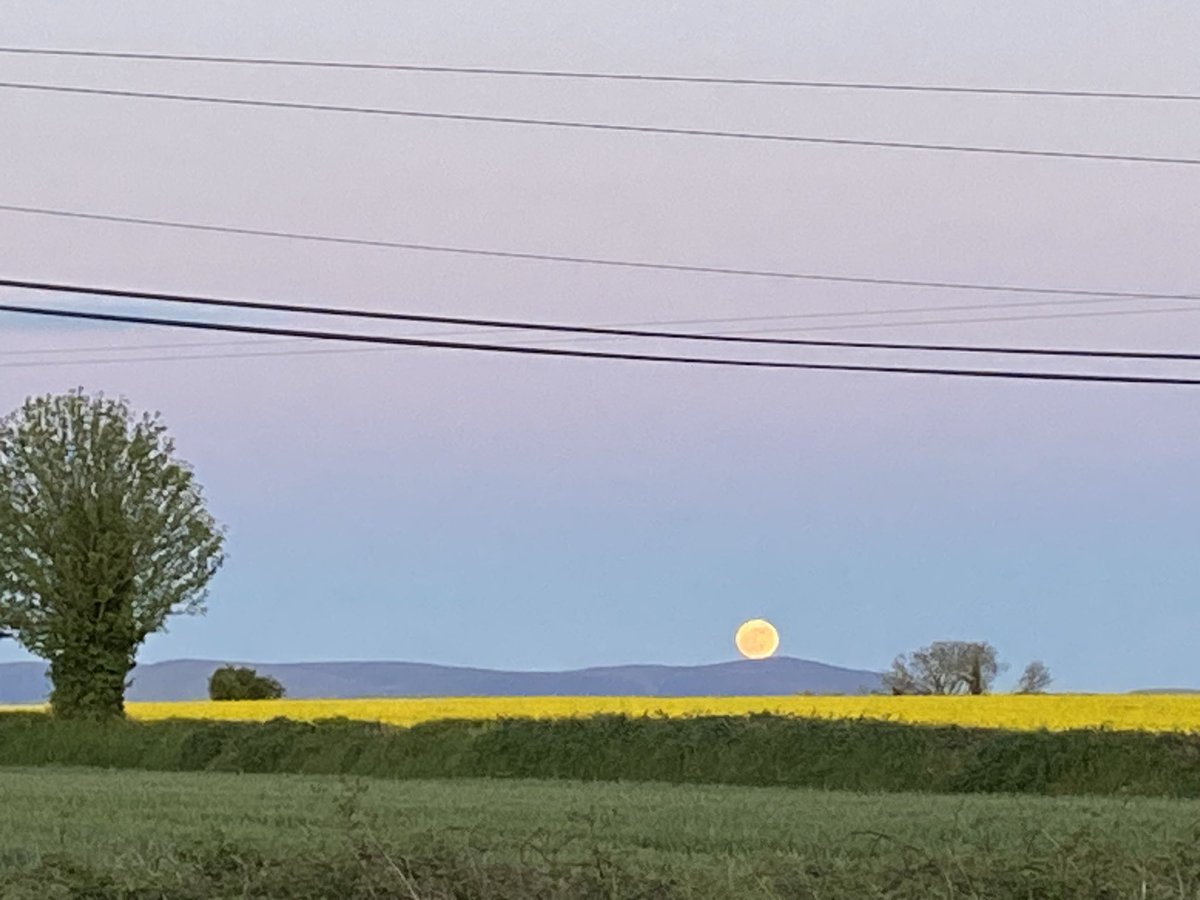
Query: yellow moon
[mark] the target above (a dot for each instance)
(757, 639)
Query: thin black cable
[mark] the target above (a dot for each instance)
(125, 348)
(598, 126)
(1014, 374)
(604, 76)
(1100, 295)
(178, 357)
(975, 320)
(593, 330)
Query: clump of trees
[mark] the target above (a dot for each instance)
(242, 683)
(957, 667)
(104, 534)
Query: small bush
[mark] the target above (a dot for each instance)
(240, 683)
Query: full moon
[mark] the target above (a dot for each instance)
(756, 639)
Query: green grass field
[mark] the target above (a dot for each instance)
(106, 834)
(625, 808)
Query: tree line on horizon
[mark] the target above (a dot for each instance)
(958, 667)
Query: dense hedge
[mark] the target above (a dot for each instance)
(856, 755)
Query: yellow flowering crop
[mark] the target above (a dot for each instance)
(1136, 712)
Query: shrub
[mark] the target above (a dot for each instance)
(241, 683)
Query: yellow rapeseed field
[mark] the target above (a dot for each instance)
(1139, 712)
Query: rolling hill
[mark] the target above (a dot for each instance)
(187, 679)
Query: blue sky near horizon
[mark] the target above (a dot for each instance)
(543, 514)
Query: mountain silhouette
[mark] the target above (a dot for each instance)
(187, 679)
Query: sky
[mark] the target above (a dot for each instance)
(497, 511)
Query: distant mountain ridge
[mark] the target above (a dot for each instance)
(187, 679)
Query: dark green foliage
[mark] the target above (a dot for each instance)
(216, 870)
(242, 683)
(861, 755)
(103, 535)
(1088, 869)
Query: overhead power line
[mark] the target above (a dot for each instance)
(598, 126)
(591, 330)
(182, 357)
(831, 278)
(1011, 374)
(976, 320)
(605, 76)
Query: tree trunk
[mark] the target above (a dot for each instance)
(89, 682)
(975, 679)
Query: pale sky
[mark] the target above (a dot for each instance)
(446, 507)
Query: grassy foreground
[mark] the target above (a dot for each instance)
(756, 750)
(106, 835)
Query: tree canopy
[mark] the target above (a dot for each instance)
(104, 533)
(242, 683)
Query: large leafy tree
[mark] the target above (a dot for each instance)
(103, 534)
